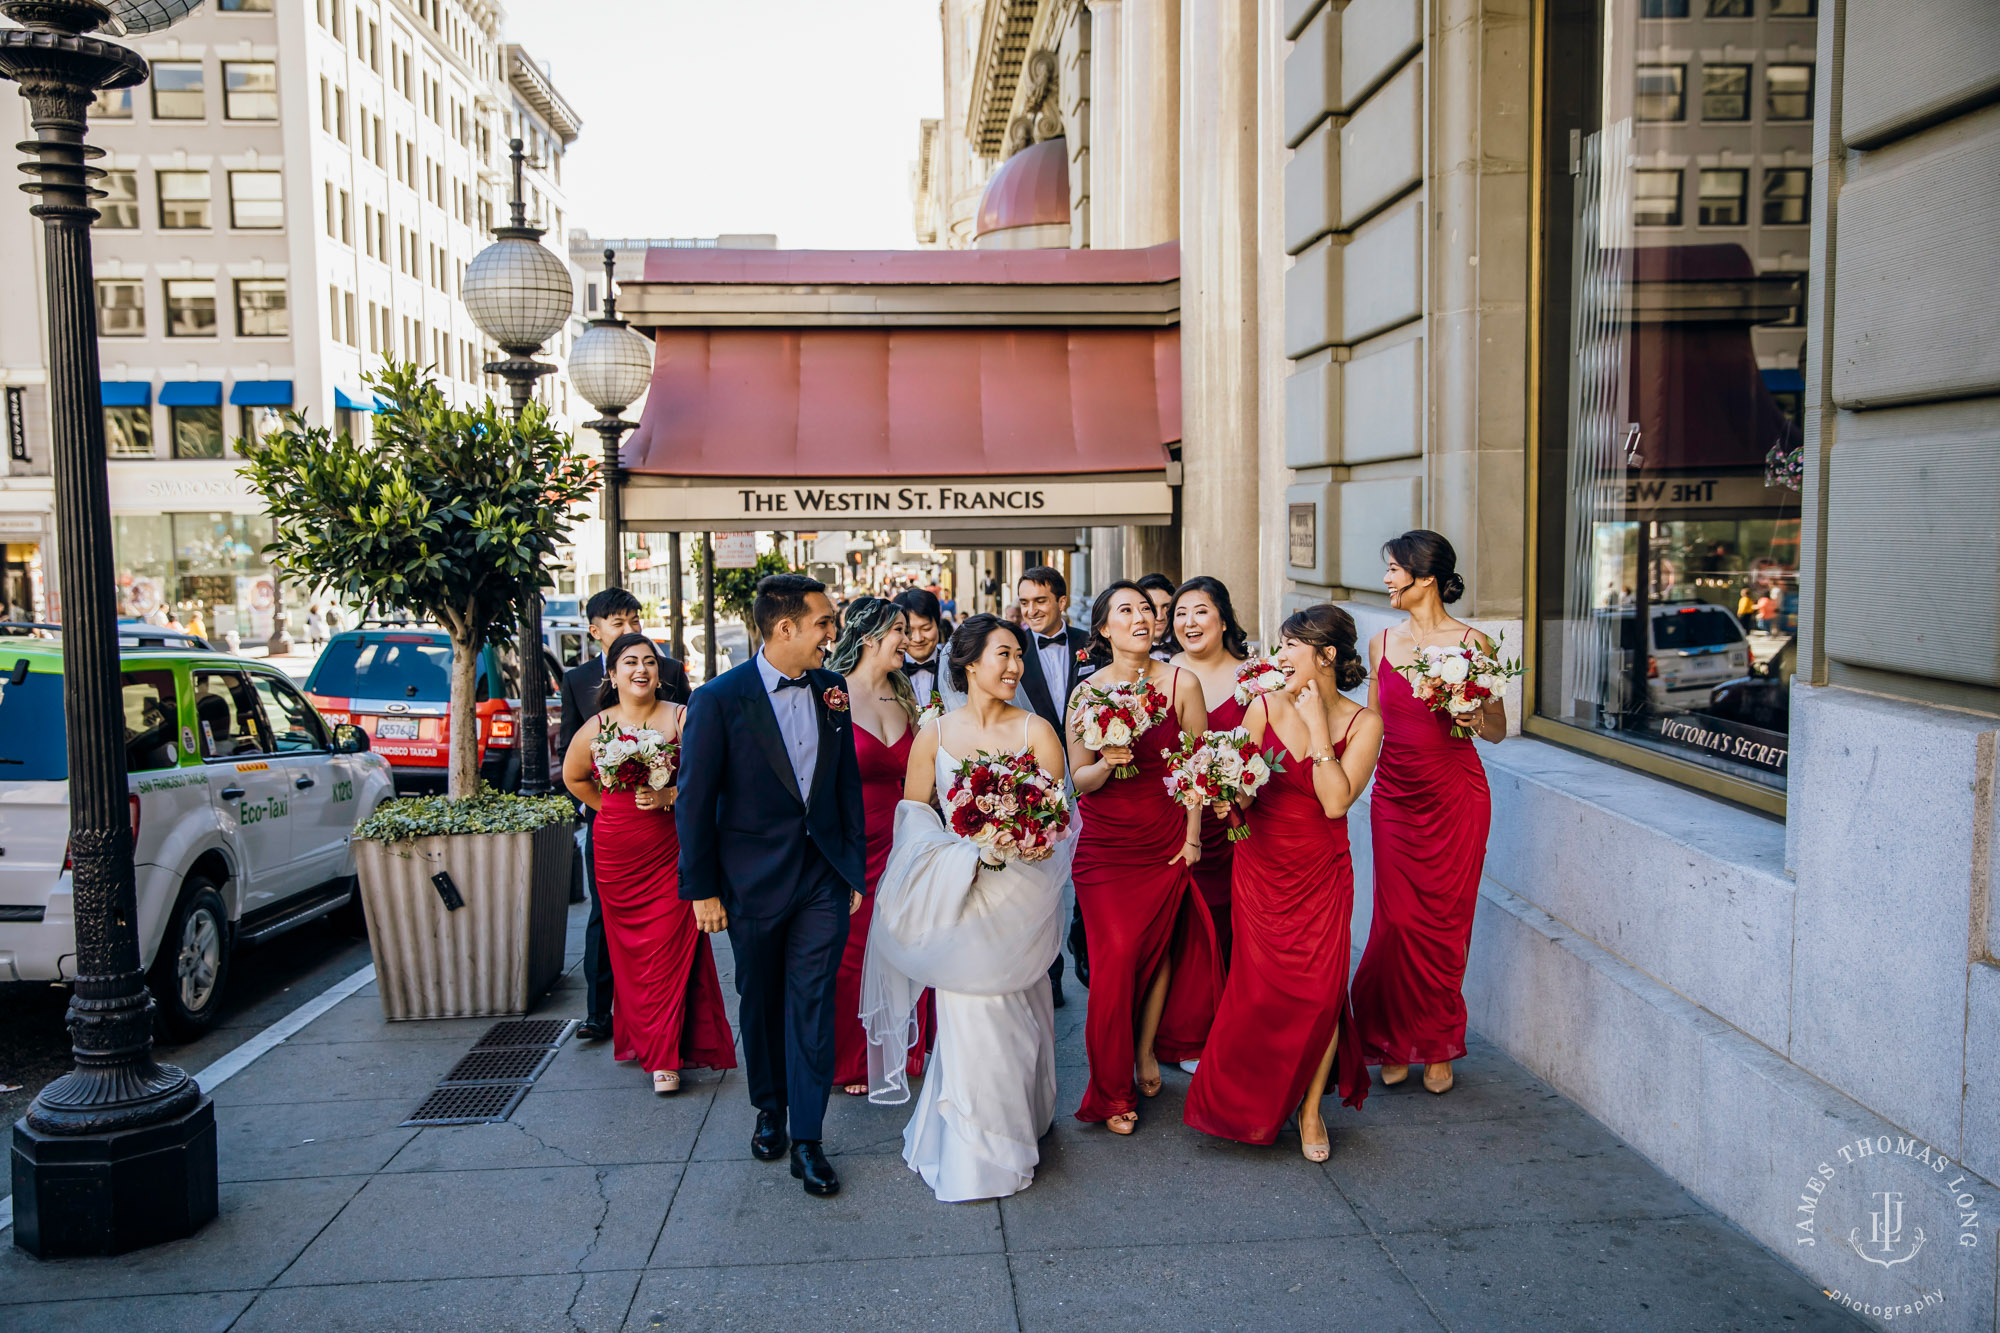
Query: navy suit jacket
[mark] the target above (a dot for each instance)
(1050, 702)
(746, 835)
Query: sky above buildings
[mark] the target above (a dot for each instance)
(797, 117)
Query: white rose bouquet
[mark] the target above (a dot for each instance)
(1218, 767)
(628, 758)
(1456, 681)
(1117, 715)
(1257, 676)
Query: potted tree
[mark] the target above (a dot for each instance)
(448, 514)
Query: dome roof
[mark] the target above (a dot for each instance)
(1031, 189)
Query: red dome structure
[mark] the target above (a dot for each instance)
(1026, 204)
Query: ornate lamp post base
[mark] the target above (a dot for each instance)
(109, 1193)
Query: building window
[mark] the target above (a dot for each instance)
(340, 114)
(184, 197)
(1660, 93)
(1656, 198)
(118, 210)
(1788, 92)
(121, 308)
(1725, 92)
(260, 308)
(128, 432)
(245, 6)
(249, 90)
(178, 91)
(353, 330)
(256, 200)
(346, 218)
(1663, 9)
(1722, 197)
(1788, 197)
(111, 104)
(197, 431)
(256, 423)
(190, 308)
(1665, 570)
(1729, 9)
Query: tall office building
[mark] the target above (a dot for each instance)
(291, 198)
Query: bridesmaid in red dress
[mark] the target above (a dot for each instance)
(1428, 820)
(1154, 975)
(869, 653)
(1210, 646)
(1285, 1023)
(666, 1009)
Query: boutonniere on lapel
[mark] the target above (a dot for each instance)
(835, 699)
(1083, 657)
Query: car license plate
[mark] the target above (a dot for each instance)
(397, 728)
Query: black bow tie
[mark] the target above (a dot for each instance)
(792, 682)
(1052, 640)
(910, 664)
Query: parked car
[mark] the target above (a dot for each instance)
(1691, 648)
(131, 634)
(1763, 698)
(394, 682)
(242, 802)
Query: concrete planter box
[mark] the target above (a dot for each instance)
(498, 953)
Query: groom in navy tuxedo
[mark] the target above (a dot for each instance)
(772, 849)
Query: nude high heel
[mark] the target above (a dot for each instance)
(1435, 1082)
(1394, 1074)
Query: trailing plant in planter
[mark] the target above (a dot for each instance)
(447, 512)
(442, 817)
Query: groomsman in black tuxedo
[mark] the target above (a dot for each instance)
(923, 657)
(1058, 658)
(612, 612)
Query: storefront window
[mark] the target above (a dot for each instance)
(128, 432)
(1667, 468)
(197, 432)
(203, 572)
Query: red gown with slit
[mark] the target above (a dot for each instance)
(1213, 872)
(1428, 817)
(666, 1003)
(883, 768)
(1137, 911)
(1287, 990)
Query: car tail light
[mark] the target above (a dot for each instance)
(428, 728)
(135, 819)
(132, 809)
(1652, 668)
(502, 730)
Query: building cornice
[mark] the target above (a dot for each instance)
(996, 75)
(539, 92)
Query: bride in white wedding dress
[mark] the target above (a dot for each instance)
(981, 938)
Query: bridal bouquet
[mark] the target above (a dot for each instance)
(1118, 714)
(932, 710)
(1258, 676)
(1220, 766)
(1456, 681)
(628, 758)
(1008, 806)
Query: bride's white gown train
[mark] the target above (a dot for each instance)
(983, 940)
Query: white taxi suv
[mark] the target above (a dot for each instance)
(242, 803)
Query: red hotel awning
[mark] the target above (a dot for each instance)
(848, 402)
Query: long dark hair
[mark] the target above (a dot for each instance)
(1234, 641)
(1326, 628)
(968, 645)
(607, 689)
(1100, 612)
(1427, 555)
(866, 621)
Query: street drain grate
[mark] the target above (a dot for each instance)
(522, 1064)
(490, 1080)
(525, 1032)
(475, 1104)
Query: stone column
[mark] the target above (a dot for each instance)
(1272, 474)
(1219, 309)
(1107, 223)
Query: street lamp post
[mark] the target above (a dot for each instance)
(519, 293)
(119, 1152)
(610, 366)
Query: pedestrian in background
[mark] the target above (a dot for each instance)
(315, 627)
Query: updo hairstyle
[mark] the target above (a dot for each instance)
(968, 645)
(1427, 555)
(1326, 629)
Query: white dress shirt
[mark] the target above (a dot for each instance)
(927, 677)
(1055, 660)
(797, 722)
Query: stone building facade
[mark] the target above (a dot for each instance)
(1679, 318)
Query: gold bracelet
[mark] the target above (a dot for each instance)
(1327, 758)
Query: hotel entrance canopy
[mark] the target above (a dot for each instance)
(905, 389)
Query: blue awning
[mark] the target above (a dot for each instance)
(1784, 381)
(191, 393)
(382, 404)
(342, 399)
(128, 393)
(261, 393)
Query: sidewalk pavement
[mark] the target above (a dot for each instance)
(599, 1206)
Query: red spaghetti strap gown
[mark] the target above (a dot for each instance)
(882, 771)
(1212, 872)
(1294, 902)
(1428, 819)
(666, 1004)
(1136, 909)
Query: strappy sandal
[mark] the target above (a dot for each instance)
(666, 1082)
(1316, 1152)
(1123, 1123)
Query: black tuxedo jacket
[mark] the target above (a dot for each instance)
(746, 835)
(1049, 698)
(579, 693)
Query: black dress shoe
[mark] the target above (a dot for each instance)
(594, 1029)
(810, 1165)
(1055, 992)
(767, 1141)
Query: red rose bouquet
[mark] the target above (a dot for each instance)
(1118, 714)
(628, 758)
(1007, 805)
(1220, 766)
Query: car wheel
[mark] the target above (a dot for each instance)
(191, 972)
